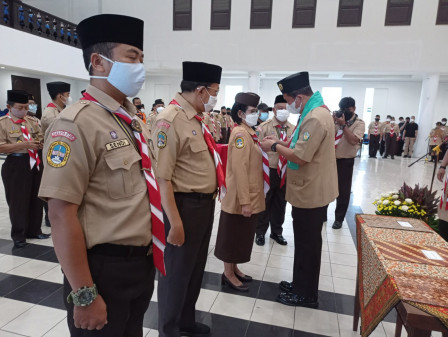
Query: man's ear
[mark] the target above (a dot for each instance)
(96, 63)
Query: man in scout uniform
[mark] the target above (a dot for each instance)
(274, 214)
(374, 135)
(157, 108)
(311, 184)
(105, 216)
(188, 178)
(222, 120)
(209, 120)
(20, 139)
(391, 134)
(436, 137)
(60, 96)
(32, 109)
(383, 138)
(349, 132)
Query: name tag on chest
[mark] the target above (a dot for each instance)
(117, 144)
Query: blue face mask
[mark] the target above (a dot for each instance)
(264, 116)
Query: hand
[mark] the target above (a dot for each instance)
(266, 144)
(340, 121)
(176, 235)
(270, 138)
(441, 174)
(32, 145)
(246, 210)
(91, 317)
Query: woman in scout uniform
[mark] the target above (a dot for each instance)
(436, 138)
(391, 134)
(244, 198)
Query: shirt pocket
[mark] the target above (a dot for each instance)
(123, 174)
(199, 155)
(15, 137)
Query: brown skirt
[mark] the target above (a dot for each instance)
(235, 237)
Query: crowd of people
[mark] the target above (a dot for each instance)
(130, 192)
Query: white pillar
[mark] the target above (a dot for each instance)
(425, 117)
(254, 82)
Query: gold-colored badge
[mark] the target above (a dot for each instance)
(280, 86)
(135, 125)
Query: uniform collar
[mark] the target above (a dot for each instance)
(57, 106)
(248, 129)
(186, 106)
(275, 122)
(109, 102)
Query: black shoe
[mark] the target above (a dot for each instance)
(286, 286)
(385, 157)
(337, 225)
(298, 301)
(279, 239)
(392, 157)
(198, 330)
(259, 240)
(226, 281)
(20, 243)
(39, 236)
(245, 278)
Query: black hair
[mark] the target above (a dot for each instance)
(408, 118)
(189, 86)
(11, 103)
(347, 102)
(444, 119)
(53, 96)
(134, 99)
(223, 107)
(263, 107)
(377, 116)
(235, 108)
(307, 91)
(103, 48)
(229, 109)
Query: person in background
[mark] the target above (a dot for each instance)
(229, 125)
(32, 108)
(60, 95)
(22, 169)
(222, 121)
(436, 138)
(274, 214)
(444, 146)
(140, 108)
(209, 120)
(383, 139)
(410, 136)
(391, 135)
(400, 145)
(245, 197)
(349, 131)
(263, 113)
(157, 108)
(374, 136)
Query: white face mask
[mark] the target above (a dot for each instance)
(210, 105)
(392, 122)
(32, 108)
(126, 77)
(412, 120)
(18, 113)
(282, 115)
(292, 108)
(388, 120)
(251, 119)
(160, 109)
(68, 101)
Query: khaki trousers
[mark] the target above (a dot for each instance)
(409, 146)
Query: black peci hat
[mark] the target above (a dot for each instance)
(247, 98)
(55, 88)
(111, 28)
(280, 99)
(201, 72)
(159, 101)
(294, 82)
(18, 96)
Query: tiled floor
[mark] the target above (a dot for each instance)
(30, 279)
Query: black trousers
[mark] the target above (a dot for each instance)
(391, 143)
(374, 145)
(21, 190)
(275, 207)
(178, 291)
(434, 157)
(126, 284)
(307, 224)
(400, 146)
(443, 229)
(345, 174)
(382, 147)
(225, 137)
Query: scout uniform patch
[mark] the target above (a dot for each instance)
(117, 144)
(161, 140)
(306, 136)
(239, 143)
(58, 154)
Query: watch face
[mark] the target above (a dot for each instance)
(85, 297)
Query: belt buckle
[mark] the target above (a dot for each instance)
(215, 194)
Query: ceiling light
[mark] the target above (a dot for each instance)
(2, 67)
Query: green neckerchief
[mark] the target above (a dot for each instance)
(315, 101)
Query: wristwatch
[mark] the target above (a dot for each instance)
(274, 147)
(443, 167)
(83, 297)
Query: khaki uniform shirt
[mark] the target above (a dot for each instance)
(90, 161)
(48, 116)
(375, 128)
(210, 123)
(151, 120)
(11, 133)
(316, 183)
(220, 119)
(388, 127)
(436, 136)
(181, 151)
(244, 176)
(383, 126)
(269, 128)
(344, 148)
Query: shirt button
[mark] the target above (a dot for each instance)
(125, 162)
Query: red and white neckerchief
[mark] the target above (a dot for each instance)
(220, 177)
(155, 202)
(281, 169)
(392, 131)
(376, 129)
(338, 137)
(212, 118)
(34, 156)
(266, 181)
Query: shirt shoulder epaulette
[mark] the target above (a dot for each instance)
(265, 123)
(169, 113)
(70, 113)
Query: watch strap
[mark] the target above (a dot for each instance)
(74, 296)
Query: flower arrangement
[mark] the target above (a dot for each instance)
(417, 203)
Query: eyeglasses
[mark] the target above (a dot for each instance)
(216, 90)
